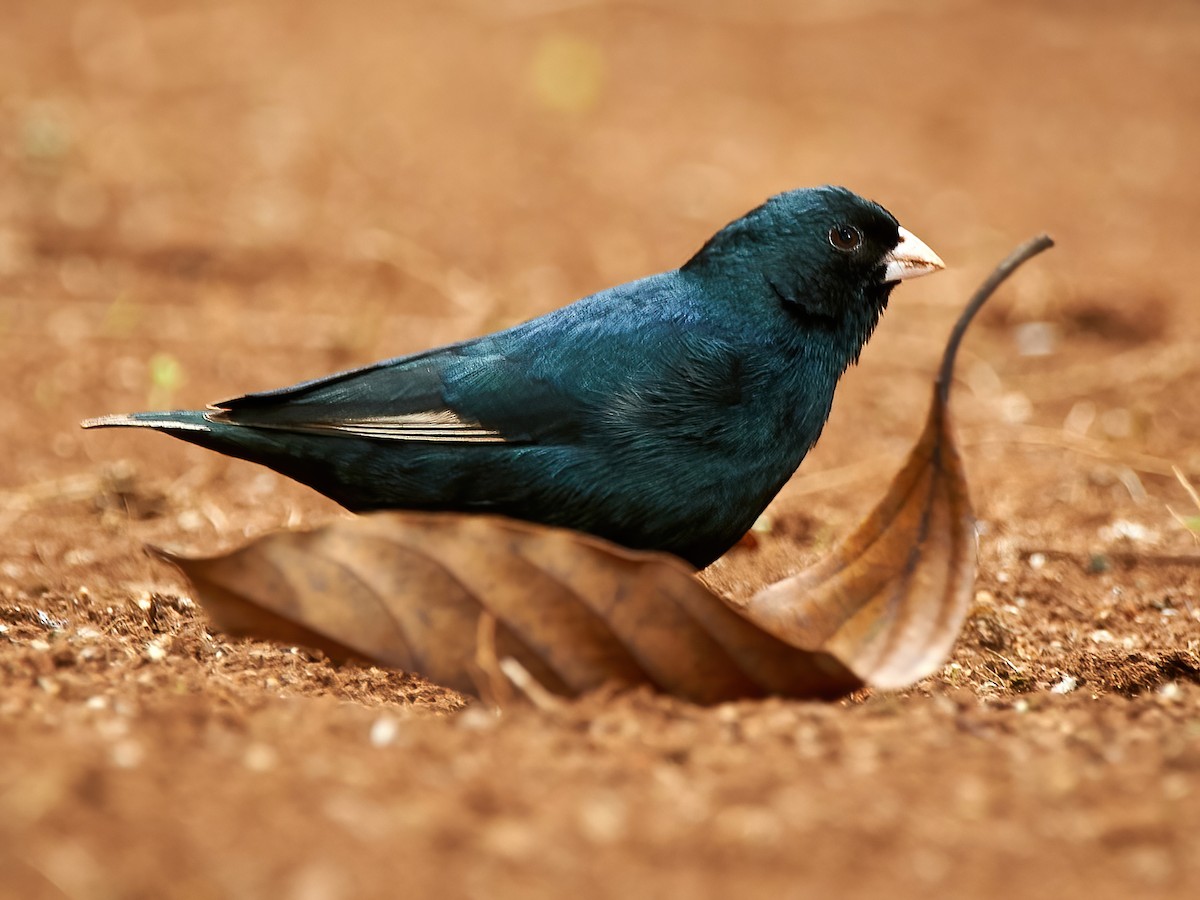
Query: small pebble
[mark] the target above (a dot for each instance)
(260, 758)
(477, 718)
(1036, 338)
(384, 731)
(48, 622)
(1015, 407)
(127, 754)
(1068, 684)
(603, 819)
(190, 520)
(1123, 529)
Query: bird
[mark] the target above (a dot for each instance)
(663, 414)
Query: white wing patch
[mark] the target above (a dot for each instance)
(442, 425)
(121, 420)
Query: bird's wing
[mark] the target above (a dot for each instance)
(471, 393)
(630, 358)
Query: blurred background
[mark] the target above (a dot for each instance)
(203, 200)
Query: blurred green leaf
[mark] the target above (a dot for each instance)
(567, 73)
(121, 318)
(45, 135)
(166, 376)
(165, 371)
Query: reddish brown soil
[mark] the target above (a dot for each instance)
(197, 200)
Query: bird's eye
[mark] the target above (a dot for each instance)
(845, 238)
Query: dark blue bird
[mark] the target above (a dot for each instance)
(662, 414)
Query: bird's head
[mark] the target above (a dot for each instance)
(825, 255)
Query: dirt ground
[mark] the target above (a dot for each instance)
(198, 200)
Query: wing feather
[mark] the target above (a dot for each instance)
(404, 399)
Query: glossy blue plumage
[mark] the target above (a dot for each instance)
(664, 413)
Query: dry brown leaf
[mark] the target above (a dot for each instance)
(423, 592)
(408, 590)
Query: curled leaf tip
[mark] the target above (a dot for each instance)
(1000, 274)
(889, 601)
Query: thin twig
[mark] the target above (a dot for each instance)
(1006, 661)
(1187, 486)
(490, 679)
(533, 689)
(1053, 437)
(1189, 526)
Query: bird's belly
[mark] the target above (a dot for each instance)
(691, 498)
(694, 501)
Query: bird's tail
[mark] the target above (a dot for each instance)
(308, 458)
(179, 420)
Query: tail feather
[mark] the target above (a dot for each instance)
(180, 420)
(332, 466)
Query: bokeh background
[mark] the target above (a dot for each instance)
(199, 200)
